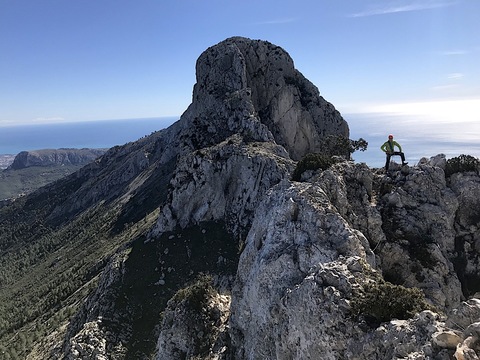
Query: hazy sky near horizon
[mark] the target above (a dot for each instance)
(63, 61)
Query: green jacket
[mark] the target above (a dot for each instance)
(389, 146)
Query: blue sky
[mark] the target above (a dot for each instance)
(78, 60)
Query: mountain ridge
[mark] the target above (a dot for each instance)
(194, 242)
(30, 170)
(49, 157)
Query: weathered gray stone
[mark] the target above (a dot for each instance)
(255, 81)
(185, 332)
(447, 339)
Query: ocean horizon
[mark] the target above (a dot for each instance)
(418, 139)
(86, 134)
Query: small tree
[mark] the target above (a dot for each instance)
(381, 301)
(462, 163)
(342, 146)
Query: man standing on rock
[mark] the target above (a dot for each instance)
(388, 148)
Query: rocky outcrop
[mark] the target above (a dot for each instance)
(241, 83)
(306, 258)
(88, 335)
(57, 157)
(223, 182)
(252, 112)
(207, 322)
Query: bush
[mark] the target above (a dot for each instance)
(462, 163)
(382, 301)
(342, 146)
(312, 162)
(196, 295)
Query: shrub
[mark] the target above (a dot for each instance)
(382, 301)
(312, 162)
(342, 146)
(196, 295)
(462, 163)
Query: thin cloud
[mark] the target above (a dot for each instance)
(455, 76)
(402, 8)
(48, 119)
(468, 110)
(36, 121)
(454, 52)
(444, 87)
(278, 21)
(8, 123)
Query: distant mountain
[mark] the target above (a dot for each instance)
(195, 243)
(30, 170)
(54, 157)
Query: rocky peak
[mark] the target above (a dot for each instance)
(245, 85)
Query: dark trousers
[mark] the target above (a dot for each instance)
(389, 155)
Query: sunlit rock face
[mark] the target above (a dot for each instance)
(309, 250)
(241, 81)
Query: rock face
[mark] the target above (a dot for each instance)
(49, 157)
(306, 258)
(241, 82)
(349, 263)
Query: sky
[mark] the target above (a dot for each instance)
(410, 65)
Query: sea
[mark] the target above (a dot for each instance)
(86, 134)
(419, 139)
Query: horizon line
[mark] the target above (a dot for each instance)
(60, 121)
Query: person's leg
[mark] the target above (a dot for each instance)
(387, 163)
(402, 156)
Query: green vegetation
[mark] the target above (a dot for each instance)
(381, 301)
(312, 162)
(46, 273)
(197, 294)
(385, 301)
(50, 260)
(333, 147)
(195, 298)
(338, 145)
(157, 271)
(461, 164)
(23, 181)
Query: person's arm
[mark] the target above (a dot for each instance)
(398, 145)
(384, 147)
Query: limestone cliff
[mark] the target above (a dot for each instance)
(213, 252)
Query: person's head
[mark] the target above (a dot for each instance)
(390, 137)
